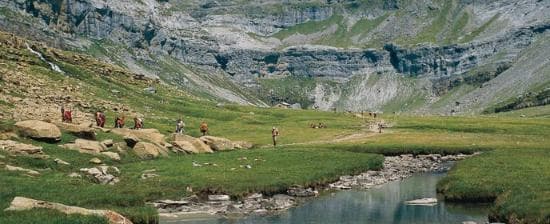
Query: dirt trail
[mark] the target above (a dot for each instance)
(367, 132)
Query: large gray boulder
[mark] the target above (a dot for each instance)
(38, 130)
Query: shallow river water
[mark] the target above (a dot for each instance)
(384, 204)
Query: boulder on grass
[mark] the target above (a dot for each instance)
(194, 147)
(150, 135)
(217, 143)
(80, 131)
(24, 204)
(112, 155)
(19, 148)
(107, 143)
(147, 150)
(38, 130)
(190, 144)
(85, 146)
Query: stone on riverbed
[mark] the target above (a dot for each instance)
(299, 191)
(422, 201)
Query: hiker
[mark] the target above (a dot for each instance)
(380, 126)
(138, 123)
(180, 126)
(119, 122)
(62, 113)
(67, 116)
(204, 128)
(274, 134)
(100, 119)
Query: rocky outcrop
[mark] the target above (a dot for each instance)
(112, 155)
(38, 130)
(81, 131)
(25, 204)
(20, 169)
(217, 143)
(150, 135)
(188, 144)
(147, 150)
(19, 148)
(85, 146)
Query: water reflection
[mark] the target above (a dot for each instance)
(381, 205)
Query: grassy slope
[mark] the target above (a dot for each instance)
(511, 138)
(281, 168)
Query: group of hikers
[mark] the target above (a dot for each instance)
(119, 121)
(100, 118)
(180, 127)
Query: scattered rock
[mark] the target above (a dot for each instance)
(149, 174)
(107, 143)
(95, 161)
(147, 150)
(217, 143)
(219, 197)
(59, 161)
(121, 147)
(280, 202)
(75, 175)
(19, 148)
(23, 204)
(299, 191)
(103, 174)
(20, 169)
(39, 130)
(112, 155)
(166, 204)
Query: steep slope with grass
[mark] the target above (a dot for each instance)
(224, 50)
(31, 90)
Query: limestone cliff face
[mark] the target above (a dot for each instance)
(339, 41)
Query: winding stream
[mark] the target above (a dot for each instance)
(378, 205)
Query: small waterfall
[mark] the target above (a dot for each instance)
(52, 65)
